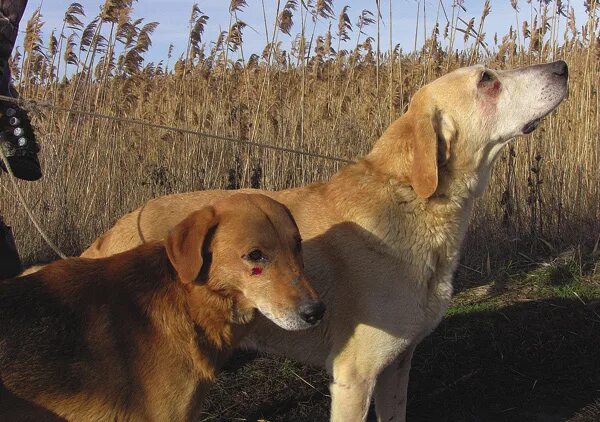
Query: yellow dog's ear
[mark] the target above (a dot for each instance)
(185, 243)
(430, 147)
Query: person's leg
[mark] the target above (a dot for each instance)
(16, 135)
(11, 12)
(17, 138)
(10, 263)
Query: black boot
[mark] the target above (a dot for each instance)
(17, 139)
(10, 263)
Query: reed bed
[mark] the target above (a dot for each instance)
(544, 195)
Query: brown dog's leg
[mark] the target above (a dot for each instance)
(10, 263)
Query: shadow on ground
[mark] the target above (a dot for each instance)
(529, 361)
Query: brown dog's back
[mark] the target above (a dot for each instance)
(43, 338)
(77, 329)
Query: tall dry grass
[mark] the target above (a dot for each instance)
(318, 96)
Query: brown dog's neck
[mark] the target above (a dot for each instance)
(213, 314)
(207, 317)
(195, 321)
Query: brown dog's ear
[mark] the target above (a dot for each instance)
(185, 242)
(431, 146)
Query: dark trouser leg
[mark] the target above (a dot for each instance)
(10, 263)
(11, 12)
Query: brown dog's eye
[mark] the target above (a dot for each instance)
(486, 77)
(255, 255)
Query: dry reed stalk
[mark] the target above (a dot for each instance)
(328, 101)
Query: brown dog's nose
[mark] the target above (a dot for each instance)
(312, 312)
(560, 68)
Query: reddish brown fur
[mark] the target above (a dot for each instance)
(139, 335)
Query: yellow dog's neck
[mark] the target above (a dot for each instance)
(401, 223)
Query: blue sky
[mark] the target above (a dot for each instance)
(173, 16)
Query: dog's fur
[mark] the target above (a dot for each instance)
(140, 335)
(382, 238)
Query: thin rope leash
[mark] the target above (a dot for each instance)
(13, 180)
(32, 104)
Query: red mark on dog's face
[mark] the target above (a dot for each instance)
(489, 87)
(256, 271)
(493, 89)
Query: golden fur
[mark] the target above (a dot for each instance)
(382, 237)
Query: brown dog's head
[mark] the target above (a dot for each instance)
(247, 248)
(463, 119)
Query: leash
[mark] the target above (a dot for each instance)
(32, 104)
(13, 180)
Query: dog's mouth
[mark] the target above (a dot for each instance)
(290, 322)
(531, 126)
(561, 91)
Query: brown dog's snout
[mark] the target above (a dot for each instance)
(560, 68)
(312, 312)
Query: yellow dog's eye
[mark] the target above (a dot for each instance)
(486, 77)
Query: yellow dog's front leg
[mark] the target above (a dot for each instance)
(391, 389)
(351, 392)
(355, 367)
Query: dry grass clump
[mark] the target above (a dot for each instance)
(318, 97)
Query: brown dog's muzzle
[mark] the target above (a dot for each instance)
(311, 309)
(312, 312)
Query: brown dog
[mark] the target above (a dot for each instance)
(140, 335)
